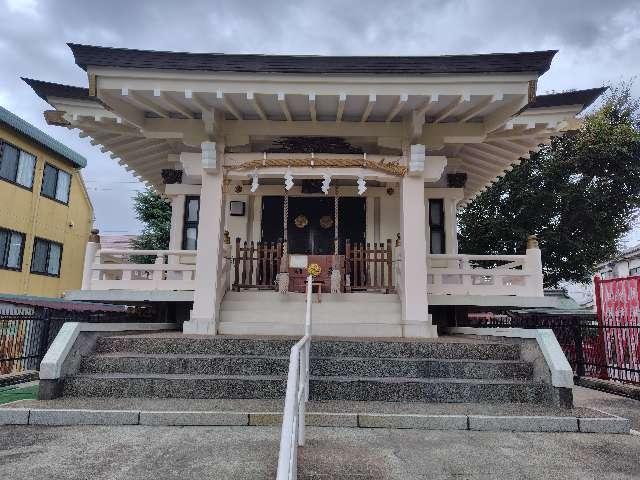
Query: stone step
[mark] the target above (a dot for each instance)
(249, 326)
(320, 366)
(320, 310)
(295, 318)
(373, 348)
(443, 390)
(174, 386)
(264, 298)
(420, 368)
(135, 363)
(321, 388)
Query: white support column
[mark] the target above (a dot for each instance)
(177, 222)
(93, 245)
(413, 292)
(534, 267)
(209, 252)
(451, 226)
(175, 233)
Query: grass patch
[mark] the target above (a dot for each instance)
(17, 392)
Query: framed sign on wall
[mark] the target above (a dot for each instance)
(236, 208)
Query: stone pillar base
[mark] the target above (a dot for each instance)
(420, 329)
(199, 326)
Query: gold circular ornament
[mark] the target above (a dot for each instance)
(326, 221)
(314, 269)
(301, 221)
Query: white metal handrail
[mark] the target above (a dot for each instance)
(292, 435)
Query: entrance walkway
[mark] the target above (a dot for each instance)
(136, 453)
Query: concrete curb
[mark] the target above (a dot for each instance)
(83, 417)
(485, 423)
(522, 424)
(422, 422)
(193, 418)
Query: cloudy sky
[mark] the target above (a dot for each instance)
(599, 43)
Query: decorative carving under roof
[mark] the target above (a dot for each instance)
(313, 144)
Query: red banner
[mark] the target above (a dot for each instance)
(618, 308)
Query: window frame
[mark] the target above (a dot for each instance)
(33, 171)
(437, 227)
(5, 254)
(58, 170)
(49, 243)
(187, 224)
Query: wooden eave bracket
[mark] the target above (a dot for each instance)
(56, 117)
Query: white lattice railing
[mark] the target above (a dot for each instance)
(514, 275)
(293, 423)
(115, 269)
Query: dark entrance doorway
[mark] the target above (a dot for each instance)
(311, 223)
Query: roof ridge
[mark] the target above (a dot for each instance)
(477, 63)
(309, 55)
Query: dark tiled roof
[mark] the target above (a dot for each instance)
(49, 89)
(574, 97)
(60, 304)
(86, 56)
(25, 128)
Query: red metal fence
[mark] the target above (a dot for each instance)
(604, 345)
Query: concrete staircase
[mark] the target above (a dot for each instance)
(364, 370)
(270, 313)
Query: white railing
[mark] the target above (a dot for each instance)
(293, 424)
(115, 269)
(514, 275)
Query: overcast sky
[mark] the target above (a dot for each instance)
(599, 43)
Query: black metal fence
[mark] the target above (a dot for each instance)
(608, 352)
(27, 333)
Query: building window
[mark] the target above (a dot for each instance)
(11, 249)
(191, 218)
(436, 226)
(47, 256)
(16, 166)
(56, 184)
(633, 272)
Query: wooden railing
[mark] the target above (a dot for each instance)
(255, 265)
(369, 266)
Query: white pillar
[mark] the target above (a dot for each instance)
(177, 222)
(534, 267)
(210, 238)
(451, 226)
(621, 269)
(175, 233)
(93, 245)
(413, 294)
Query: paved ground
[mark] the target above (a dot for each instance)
(183, 453)
(613, 404)
(134, 453)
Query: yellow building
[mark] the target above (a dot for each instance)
(45, 211)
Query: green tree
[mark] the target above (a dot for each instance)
(580, 195)
(155, 214)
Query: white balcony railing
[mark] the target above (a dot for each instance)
(114, 269)
(514, 275)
